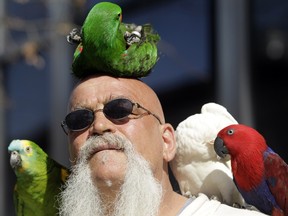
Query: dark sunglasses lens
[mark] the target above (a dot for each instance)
(118, 109)
(79, 119)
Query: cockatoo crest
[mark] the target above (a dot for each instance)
(196, 166)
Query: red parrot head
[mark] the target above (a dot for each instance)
(239, 139)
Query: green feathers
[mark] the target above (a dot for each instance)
(106, 45)
(39, 179)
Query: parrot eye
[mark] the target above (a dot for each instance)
(230, 132)
(120, 17)
(28, 149)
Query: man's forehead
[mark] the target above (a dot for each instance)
(104, 88)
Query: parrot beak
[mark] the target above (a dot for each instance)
(120, 18)
(15, 159)
(220, 148)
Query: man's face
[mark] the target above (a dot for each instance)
(145, 133)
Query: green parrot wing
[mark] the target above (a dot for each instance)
(18, 203)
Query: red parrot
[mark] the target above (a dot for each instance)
(259, 173)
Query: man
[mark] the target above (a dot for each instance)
(120, 147)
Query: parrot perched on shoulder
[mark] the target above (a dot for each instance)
(260, 174)
(39, 179)
(107, 45)
(196, 166)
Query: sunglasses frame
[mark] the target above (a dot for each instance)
(137, 105)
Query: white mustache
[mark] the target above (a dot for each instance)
(102, 142)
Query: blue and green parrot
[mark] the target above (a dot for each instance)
(107, 45)
(39, 179)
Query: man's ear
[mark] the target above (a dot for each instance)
(169, 148)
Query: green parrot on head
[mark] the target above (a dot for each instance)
(107, 45)
(39, 179)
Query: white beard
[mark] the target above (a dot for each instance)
(140, 194)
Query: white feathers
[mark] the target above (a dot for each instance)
(196, 166)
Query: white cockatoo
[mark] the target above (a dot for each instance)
(196, 166)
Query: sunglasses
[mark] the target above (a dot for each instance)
(115, 110)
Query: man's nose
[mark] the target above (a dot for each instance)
(101, 124)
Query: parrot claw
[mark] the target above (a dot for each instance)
(237, 205)
(133, 37)
(74, 36)
(138, 28)
(188, 194)
(213, 197)
(250, 207)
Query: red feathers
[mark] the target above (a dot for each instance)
(260, 174)
(276, 172)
